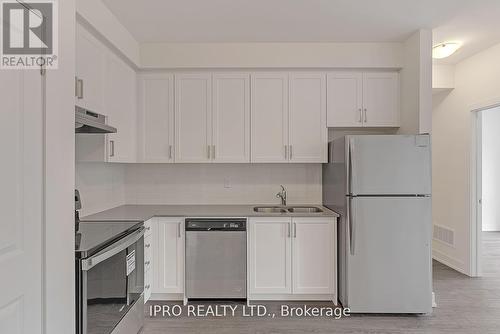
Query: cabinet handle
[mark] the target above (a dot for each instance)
(366, 118)
(295, 230)
(286, 152)
(170, 151)
(179, 230)
(208, 152)
(112, 148)
(288, 229)
(213, 152)
(147, 245)
(79, 88)
(291, 152)
(360, 115)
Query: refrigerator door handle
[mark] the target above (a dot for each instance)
(352, 228)
(350, 168)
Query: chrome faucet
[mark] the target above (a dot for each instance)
(282, 195)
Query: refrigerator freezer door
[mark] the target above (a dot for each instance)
(389, 264)
(390, 165)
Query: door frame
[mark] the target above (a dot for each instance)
(475, 190)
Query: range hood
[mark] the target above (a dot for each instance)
(87, 121)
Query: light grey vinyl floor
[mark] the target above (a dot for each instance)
(465, 305)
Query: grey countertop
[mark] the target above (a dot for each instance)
(145, 212)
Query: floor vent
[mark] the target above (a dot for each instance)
(444, 235)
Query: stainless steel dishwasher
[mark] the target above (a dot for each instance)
(216, 258)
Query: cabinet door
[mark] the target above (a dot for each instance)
(269, 256)
(90, 64)
(308, 137)
(121, 109)
(345, 99)
(156, 110)
(381, 99)
(231, 118)
(313, 255)
(269, 117)
(193, 96)
(168, 256)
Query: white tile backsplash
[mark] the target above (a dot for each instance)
(221, 183)
(101, 186)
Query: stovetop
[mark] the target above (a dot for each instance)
(94, 236)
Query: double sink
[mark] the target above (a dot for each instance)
(287, 209)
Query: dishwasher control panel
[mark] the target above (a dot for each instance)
(215, 224)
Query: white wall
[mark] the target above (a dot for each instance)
(416, 84)
(222, 183)
(59, 242)
(101, 186)
(274, 55)
(94, 15)
(477, 82)
(491, 169)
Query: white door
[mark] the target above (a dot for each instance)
(156, 110)
(168, 255)
(345, 99)
(313, 255)
(193, 125)
(389, 261)
(269, 117)
(231, 117)
(308, 137)
(21, 195)
(390, 165)
(270, 255)
(381, 99)
(90, 64)
(121, 108)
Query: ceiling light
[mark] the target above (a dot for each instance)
(443, 50)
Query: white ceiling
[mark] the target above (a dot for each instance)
(475, 22)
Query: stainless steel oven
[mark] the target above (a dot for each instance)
(109, 278)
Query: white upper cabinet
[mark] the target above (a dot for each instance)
(231, 118)
(363, 99)
(108, 86)
(156, 118)
(308, 136)
(345, 99)
(90, 63)
(193, 124)
(120, 105)
(381, 99)
(269, 117)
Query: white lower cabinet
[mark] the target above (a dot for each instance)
(313, 255)
(168, 256)
(292, 256)
(269, 255)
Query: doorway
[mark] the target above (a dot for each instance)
(487, 192)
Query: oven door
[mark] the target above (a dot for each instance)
(109, 284)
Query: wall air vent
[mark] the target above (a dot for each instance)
(444, 234)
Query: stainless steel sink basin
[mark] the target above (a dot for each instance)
(304, 209)
(269, 209)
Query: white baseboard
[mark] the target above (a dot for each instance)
(449, 261)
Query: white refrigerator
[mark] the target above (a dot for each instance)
(381, 187)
